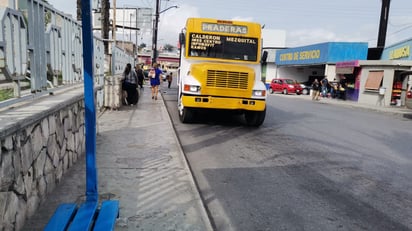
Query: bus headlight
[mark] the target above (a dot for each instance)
(258, 93)
(192, 88)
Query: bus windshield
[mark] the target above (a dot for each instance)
(223, 47)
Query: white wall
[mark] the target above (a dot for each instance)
(270, 72)
(330, 71)
(373, 98)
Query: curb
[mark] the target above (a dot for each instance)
(204, 212)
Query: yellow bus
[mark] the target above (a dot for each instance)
(220, 69)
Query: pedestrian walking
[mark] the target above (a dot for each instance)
(129, 86)
(154, 75)
(140, 76)
(169, 79)
(342, 88)
(324, 86)
(315, 90)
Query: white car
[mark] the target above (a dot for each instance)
(163, 76)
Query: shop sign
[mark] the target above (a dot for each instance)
(344, 70)
(330, 52)
(354, 63)
(300, 55)
(402, 52)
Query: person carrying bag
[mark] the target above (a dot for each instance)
(129, 86)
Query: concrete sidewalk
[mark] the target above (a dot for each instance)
(141, 164)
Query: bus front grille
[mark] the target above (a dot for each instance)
(227, 79)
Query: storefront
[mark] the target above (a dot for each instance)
(401, 88)
(317, 61)
(381, 82)
(350, 71)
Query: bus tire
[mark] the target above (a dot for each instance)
(270, 90)
(285, 91)
(255, 118)
(186, 115)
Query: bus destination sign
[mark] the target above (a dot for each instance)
(224, 28)
(205, 41)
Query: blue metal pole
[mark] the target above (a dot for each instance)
(90, 109)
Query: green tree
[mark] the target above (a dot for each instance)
(141, 46)
(169, 47)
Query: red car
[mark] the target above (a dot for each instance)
(285, 86)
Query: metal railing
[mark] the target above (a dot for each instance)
(41, 50)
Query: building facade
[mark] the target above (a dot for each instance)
(382, 82)
(317, 61)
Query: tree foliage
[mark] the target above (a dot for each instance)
(142, 46)
(168, 47)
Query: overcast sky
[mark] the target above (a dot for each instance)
(305, 22)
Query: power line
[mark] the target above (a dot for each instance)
(402, 29)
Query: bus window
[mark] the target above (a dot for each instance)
(224, 47)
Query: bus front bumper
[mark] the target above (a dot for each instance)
(214, 102)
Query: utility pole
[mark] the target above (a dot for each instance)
(155, 29)
(114, 23)
(383, 25)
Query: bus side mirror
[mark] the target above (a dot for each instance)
(182, 39)
(264, 57)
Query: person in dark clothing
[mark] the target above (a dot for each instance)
(334, 88)
(129, 86)
(140, 76)
(342, 88)
(315, 89)
(169, 79)
(324, 86)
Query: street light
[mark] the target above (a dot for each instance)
(168, 9)
(156, 24)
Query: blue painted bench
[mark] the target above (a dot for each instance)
(88, 216)
(70, 217)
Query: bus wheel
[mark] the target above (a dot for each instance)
(185, 114)
(255, 118)
(285, 91)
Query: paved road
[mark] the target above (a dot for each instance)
(310, 166)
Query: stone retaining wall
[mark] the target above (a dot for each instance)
(37, 148)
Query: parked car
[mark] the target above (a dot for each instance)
(306, 87)
(163, 76)
(285, 86)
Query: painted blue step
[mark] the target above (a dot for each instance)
(86, 217)
(108, 214)
(61, 218)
